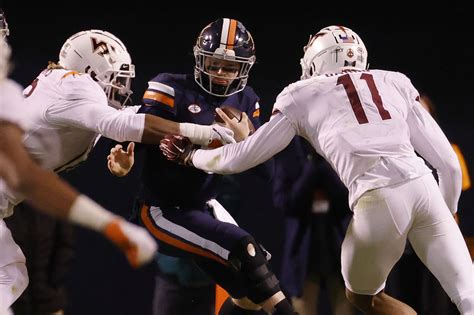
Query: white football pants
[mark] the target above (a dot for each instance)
(385, 218)
(13, 274)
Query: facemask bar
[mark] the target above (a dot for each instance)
(118, 86)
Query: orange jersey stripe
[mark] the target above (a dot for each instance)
(69, 73)
(466, 179)
(231, 34)
(256, 113)
(175, 242)
(159, 97)
(221, 296)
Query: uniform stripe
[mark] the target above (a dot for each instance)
(256, 113)
(224, 33)
(201, 246)
(159, 97)
(231, 35)
(73, 73)
(157, 86)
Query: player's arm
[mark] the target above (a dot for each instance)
(47, 192)
(269, 139)
(431, 143)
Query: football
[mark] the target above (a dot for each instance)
(232, 113)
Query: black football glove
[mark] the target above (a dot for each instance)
(178, 149)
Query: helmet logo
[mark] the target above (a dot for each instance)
(194, 108)
(350, 53)
(100, 47)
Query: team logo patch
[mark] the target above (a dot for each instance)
(350, 53)
(194, 108)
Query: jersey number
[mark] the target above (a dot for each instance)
(354, 99)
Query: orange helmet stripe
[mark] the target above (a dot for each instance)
(231, 34)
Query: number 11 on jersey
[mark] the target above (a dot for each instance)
(346, 81)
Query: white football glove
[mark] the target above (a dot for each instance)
(136, 243)
(221, 134)
(204, 135)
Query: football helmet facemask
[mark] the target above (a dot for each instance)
(4, 30)
(105, 58)
(225, 40)
(333, 49)
(4, 58)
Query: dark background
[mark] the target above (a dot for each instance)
(434, 46)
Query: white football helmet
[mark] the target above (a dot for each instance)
(332, 49)
(105, 58)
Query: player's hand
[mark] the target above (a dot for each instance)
(222, 134)
(120, 162)
(136, 243)
(177, 149)
(240, 128)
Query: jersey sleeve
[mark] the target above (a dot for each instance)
(159, 97)
(285, 104)
(269, 139)
(431, 143)
(85, 106)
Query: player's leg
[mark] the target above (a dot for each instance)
(374, 242)
(13, 274)
(438, 242)
(196, 232)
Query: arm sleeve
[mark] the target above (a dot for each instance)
(430, 142)
(119, 125)
(269, 139)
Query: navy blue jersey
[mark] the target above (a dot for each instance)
(177, 97)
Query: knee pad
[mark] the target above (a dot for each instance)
(249, 259)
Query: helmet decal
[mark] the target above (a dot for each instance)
(333, 49)
(105, 58)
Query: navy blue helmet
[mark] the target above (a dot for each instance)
(223, 42)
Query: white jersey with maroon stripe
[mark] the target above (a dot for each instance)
(367, 124)
(363, 123)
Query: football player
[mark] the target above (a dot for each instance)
(44, 190)
(175, 199)
(367, 124)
